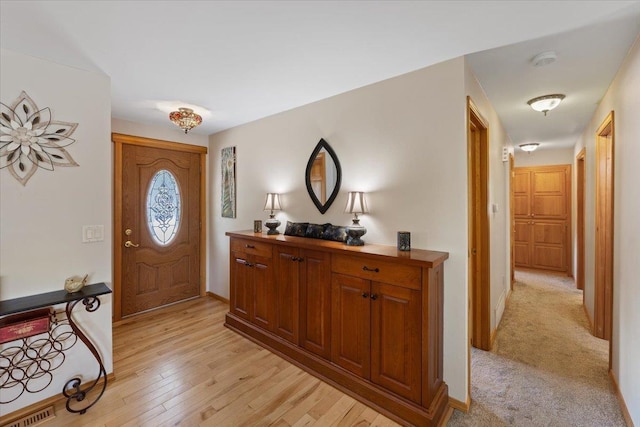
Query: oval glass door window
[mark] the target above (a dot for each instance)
(163, 207)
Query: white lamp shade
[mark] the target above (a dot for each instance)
(356, 203)
(531, 146)
(545, 103)
(273, 202)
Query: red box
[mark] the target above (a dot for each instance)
(23, 325)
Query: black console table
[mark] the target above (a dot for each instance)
(27, 365)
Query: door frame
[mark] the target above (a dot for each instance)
(478, 223)
(603, 275)
(580, 205)
(512, 222)
(119, 140)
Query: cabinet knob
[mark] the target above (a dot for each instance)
(375, 270)
(365, 295)
(374, 297)
(249, 246)
(295, 258)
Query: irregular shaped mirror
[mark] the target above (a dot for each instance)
(323, 176)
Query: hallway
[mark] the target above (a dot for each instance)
(545, 368)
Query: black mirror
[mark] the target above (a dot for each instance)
(323, 176)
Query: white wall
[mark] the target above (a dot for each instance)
(393, 142)
(498, 195)
(544, 157)
(623, 97)
(41, 223)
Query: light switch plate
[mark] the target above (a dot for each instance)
(92, 233)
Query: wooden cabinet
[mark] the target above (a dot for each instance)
(287, 292)
(542, 217)
(366, 319)
(377, 334)
(303, 298)
(252, 283)
(351, 320)
(315, 302)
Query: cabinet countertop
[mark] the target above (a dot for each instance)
(422, 257)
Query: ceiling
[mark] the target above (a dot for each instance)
(238, 61)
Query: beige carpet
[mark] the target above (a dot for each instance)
(546, 369)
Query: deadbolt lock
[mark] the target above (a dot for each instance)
(128, 232)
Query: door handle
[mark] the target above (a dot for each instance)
(130, 244)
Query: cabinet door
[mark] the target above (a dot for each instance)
(395, 339)
(521, 193)
(350, 324)
(522, 243)
(263, 293)
(241, 289)
(286, 293)
(315, 302)
(548, 249)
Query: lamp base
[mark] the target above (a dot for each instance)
(272, 225)
(354, 234)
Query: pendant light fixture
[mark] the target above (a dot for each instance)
(545, 103)
(185, 118)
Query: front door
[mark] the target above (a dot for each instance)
(159, 228)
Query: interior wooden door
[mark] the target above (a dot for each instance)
(161, 225)
(580, 212)
(604, 230)
(512, 218)
(479, 231)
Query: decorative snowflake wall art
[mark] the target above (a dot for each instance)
(29, 139)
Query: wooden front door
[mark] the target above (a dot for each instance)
(542, 211)
(158, 225)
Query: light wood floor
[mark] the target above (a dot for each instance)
(180, 366)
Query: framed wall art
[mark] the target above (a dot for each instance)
(228, 199)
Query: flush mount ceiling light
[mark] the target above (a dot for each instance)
(545, 103)
(185, 118)
(544, 58)
(529, 146)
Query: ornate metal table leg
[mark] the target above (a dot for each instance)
(72, 390)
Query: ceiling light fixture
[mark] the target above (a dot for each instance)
(545, 103)
(544, 58)
(529, 146)
(185, 118)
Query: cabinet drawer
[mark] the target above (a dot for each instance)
(251, 248)
(379, 271)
